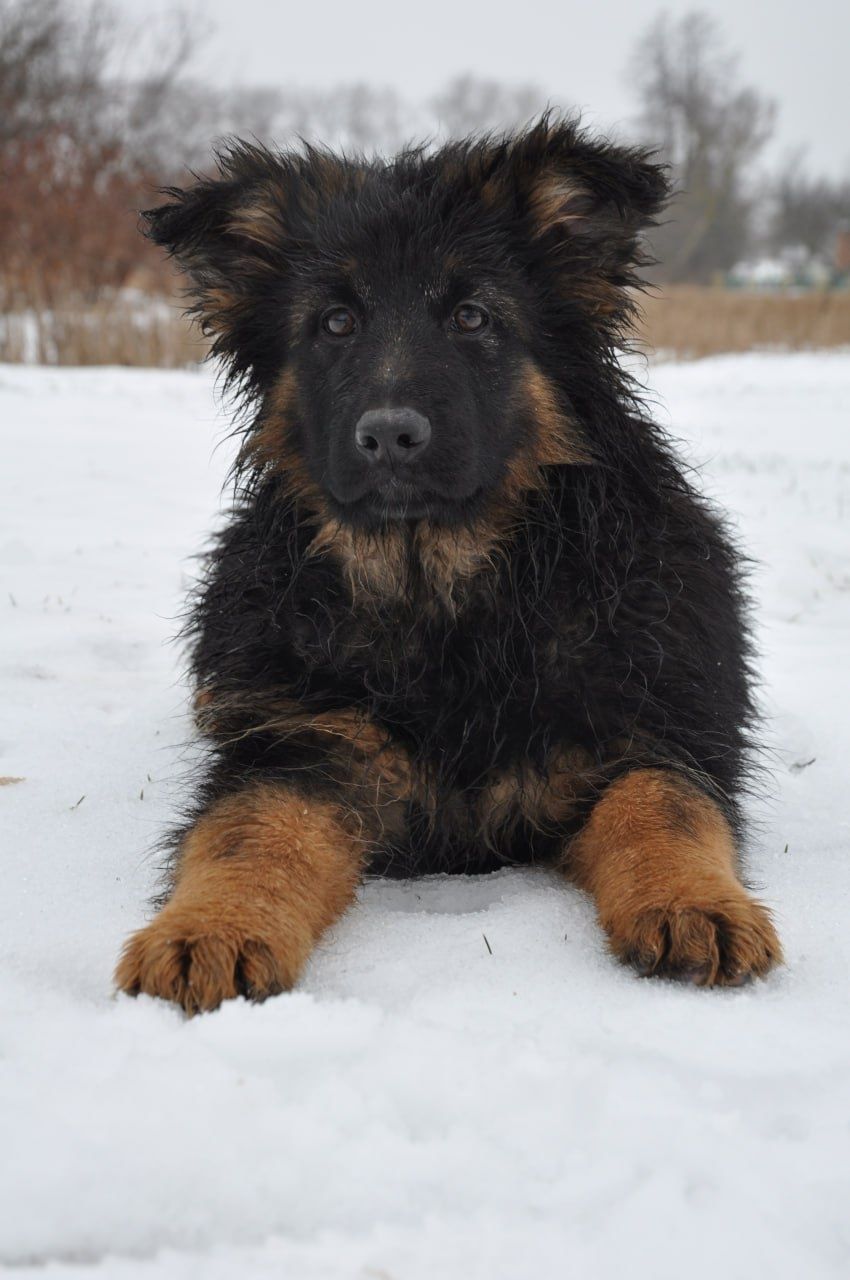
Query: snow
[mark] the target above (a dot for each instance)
(420, 1107)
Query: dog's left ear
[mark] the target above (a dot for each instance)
(584, 200)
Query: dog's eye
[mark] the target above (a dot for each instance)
(339, 322)
(469, 318)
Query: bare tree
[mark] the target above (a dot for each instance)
(807, 211)
(33, 79)
(471, 105)
(711, 128)
(354, 117)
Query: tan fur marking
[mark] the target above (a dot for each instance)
(451, 557)
(272, 445)
(202, 699)
(365, 745)
(555, 201)
(259, 223)
(373, 563)
(334, 175)
(493, 191)
(659, 858)
(218, 302)
(376, 564)
(218, 309)
(378, 774)
(545, 801)
(599, 296)
(557, 441)
(261, 876)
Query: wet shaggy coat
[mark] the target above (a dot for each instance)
(467, 685)
(467, 611)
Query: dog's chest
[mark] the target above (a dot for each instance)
(475, 687)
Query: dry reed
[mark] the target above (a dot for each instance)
(689, 321)
(683, 322)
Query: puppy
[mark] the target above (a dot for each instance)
(467, 611)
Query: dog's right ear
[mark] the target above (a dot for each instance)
(229, 234)
(193, 225)
(238, 235)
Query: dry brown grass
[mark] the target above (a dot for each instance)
(683, 321)
(689, 321)
(122, 331)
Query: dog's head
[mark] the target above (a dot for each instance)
(411, 329)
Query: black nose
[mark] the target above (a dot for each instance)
(396, 436)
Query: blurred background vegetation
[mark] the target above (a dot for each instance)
(745, 260)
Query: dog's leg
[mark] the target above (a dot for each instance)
(659, 858)
(260, 876)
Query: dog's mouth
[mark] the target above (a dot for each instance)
(398, 501)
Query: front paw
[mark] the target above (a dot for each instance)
(196, 961)
(721, 943)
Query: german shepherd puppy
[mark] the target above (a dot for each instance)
(467, 612)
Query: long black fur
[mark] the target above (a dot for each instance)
(612, 619)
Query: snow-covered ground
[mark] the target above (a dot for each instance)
(420, 1108)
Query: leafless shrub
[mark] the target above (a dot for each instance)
(807, 210)
(472, 105)
(711, 128)
(68, 178)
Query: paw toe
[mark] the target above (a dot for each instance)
(722, 944)
(197, 970)
(257, 972)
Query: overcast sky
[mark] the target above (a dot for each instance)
(797, 51)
